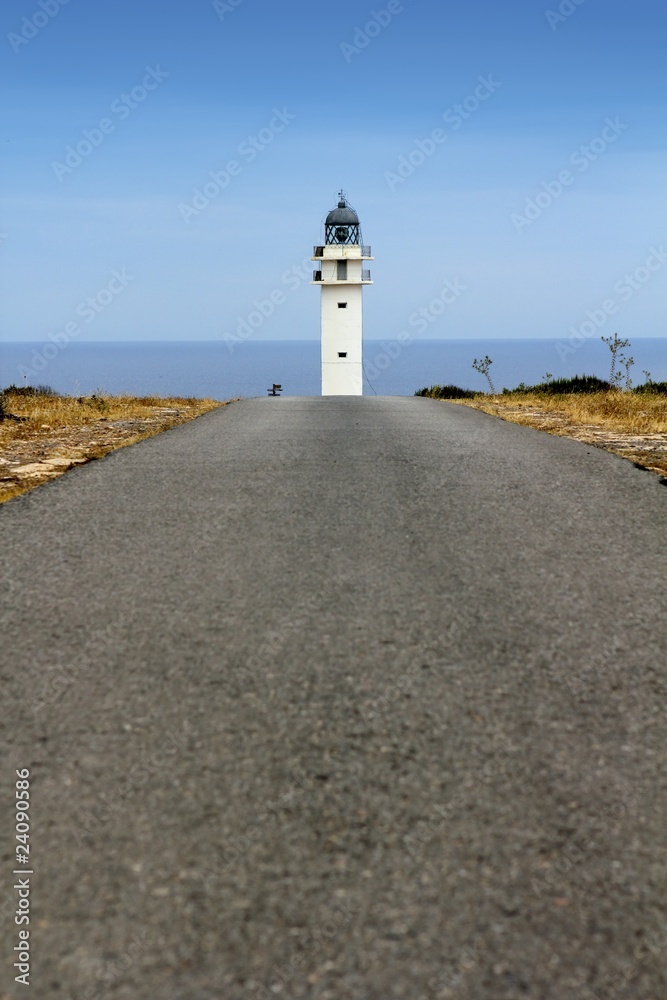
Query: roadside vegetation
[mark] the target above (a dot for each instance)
(43, 433)
(612, 414)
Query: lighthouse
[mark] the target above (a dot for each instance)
(342, 276)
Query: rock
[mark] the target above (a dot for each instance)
(34, 469)
(48, 466)
(60, 463)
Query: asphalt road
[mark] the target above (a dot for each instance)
(339, 699)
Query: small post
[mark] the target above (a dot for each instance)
(275, 390)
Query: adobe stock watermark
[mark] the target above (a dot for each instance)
(450, 979)
(248, 150)
(305, 945)
(649, 947)
(625, 288)
(364, 34)
(419, 320)
(552, 875)
(565, 10)
(57, 678)
(380, 708)
(237, 847)
(88, 310)
(31, 26)
(91, 823)
(581, 159)
(428, 829)
(454, 117)
(121, 109)
(264, 308)
(277, 638)
(112, 971)
(224, 7)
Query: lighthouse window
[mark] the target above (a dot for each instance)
(342, 305)
(341, 270)
(342, 354)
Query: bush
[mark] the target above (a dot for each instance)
(29, 390)
(447, 392)
(560, 386)
(99, 402)
(650, 388)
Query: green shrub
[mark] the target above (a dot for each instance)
(650, 388)
(447, 392)
(560, 386)
(29, 390)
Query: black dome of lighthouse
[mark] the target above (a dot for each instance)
(342, 224)
(342, 216)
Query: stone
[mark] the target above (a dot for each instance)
(34, 469)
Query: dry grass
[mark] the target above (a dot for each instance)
(619, 411)
(629, 424)
(54, 433)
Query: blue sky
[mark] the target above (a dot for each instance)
(171, 91)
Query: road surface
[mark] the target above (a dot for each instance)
(339, 699)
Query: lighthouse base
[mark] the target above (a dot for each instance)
(342, 379)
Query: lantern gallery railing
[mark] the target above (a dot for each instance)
(365, 276)
(319, 251)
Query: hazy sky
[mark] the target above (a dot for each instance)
(441, 120)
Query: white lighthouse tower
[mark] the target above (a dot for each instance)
(342, 276)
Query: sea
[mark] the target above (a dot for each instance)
(221, 371)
